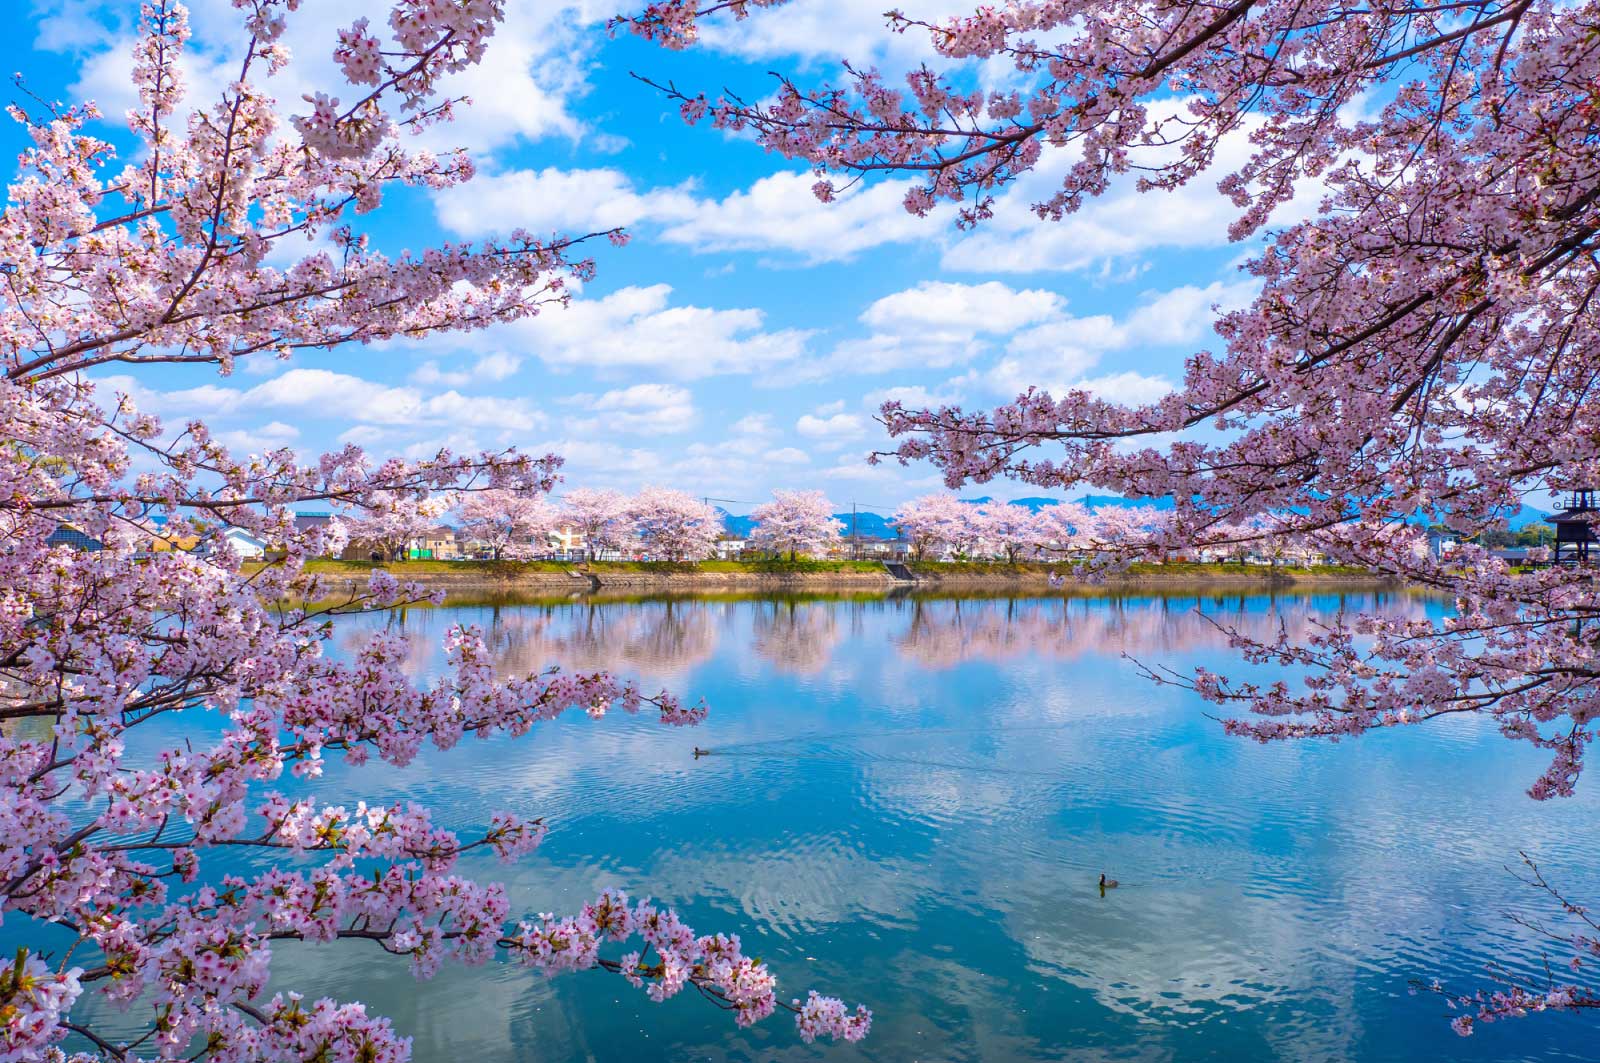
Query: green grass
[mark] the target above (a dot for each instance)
(334, 566)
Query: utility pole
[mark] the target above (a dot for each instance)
(855, 541)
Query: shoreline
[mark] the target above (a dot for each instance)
(545, 579)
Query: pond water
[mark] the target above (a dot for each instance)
(908, 803)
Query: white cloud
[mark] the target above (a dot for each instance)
(534, 67)
(754, 425)
(555, 200)
(887, 476)
(827, 31)
(1039, 344)
(939, 324)
(937, 308)
(481, 411)
(788, 456)
(603, 463)
(652, 408)
(838, 428)
(636, 328)
(1129, 388)
(1055, 372)
(1118, 225)
(523, 89)
(914, 396)
(324, 394)
(495, 365)
(780, 213)
(1185, 315)
(270, 436)
(364, 435)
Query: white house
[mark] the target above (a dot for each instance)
(246, 545)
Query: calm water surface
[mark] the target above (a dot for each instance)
(908, 804)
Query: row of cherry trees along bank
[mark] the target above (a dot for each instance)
(1427, 339)
(109, 860)
(669, 525)
(664, 524)
(658, 522)
(942, 525)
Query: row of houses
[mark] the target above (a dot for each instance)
(446, 543)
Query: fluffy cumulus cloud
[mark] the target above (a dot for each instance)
(327, 395)
(940, 308)
(822, 31)
(324, 393)
(656, 409)
(938, 323)
(1122, 224)
(1034, 341)
(914, 396)
(556, 200)
(260, 440)
(777, 215)
(639, 328)
(832, 429)
(523, 90)
(490, 367)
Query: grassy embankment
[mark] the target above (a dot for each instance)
(511, 582)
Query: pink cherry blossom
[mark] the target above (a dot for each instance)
(670, 525)
(796, 523)
(600, 516)
(514, 524)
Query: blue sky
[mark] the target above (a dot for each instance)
(742, 341)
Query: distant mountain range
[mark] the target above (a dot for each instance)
(867, 525)
(870, 525)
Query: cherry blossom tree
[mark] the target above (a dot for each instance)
(388, 526)
(1065, 528)
(599, 515)
(1125, 529)
(1425, 341)
(934, 522)
(514, 524)
(1013, 531)
(110, 832)
(795, 523)
(673, 526)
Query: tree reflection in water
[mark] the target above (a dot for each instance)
(667, 639)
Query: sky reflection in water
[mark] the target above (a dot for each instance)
(908, 804)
